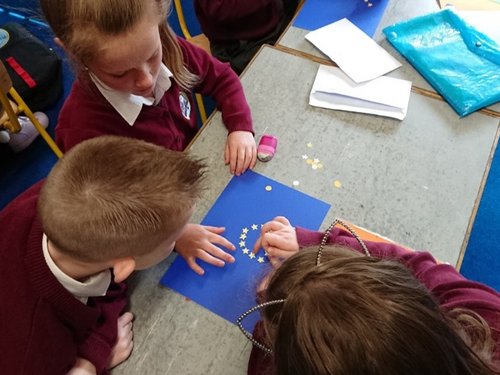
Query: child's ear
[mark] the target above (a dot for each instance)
(122, 268)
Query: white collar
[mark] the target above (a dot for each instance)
(128, 105)
(94, 286)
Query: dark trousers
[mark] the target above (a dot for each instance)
(239, 53)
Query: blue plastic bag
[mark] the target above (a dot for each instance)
(461, 63)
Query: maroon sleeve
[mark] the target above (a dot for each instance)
(219, 81)
(98, 345)
(223, 10)
(451, 289)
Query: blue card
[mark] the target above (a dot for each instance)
(318, 13)
(246, 203)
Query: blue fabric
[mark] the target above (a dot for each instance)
(318, 13)
(461, 63)
(244, 203)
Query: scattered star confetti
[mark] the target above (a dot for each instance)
(269, 188)
(314, 166)
(255, 227)
(309, 161)
(337, 184)
(260, 260)
(309, 144)
(295, 183)
(304, 157)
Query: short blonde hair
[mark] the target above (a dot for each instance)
(80, 23)
(112, 196)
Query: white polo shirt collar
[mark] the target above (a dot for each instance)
(129, 105)
(94, 286)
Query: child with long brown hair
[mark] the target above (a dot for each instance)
(135, 78)
(335, 310)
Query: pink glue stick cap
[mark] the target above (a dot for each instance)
(267, 147)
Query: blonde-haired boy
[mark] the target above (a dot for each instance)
(112, 205)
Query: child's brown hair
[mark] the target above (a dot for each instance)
(79, 24)
(362, 315)
(111, 197)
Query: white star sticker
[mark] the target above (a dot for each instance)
(243, 236)
(245, 251)
(251, 255)
(260, 260)
(242, 243)
(255, 227)
(245, 230)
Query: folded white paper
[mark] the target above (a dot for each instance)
(383, 96)
(359, 56)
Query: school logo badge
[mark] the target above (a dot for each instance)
(4, 37)
(185, 105)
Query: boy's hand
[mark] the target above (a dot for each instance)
(199, 241)
(82, 367)
(279, 240)
(124, 341)
(240, 152)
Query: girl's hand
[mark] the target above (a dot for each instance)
(199, 242)
(279, 240)
(240, 152)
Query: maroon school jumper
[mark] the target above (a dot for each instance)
(225, 21)
(451, 289)
(44, 327)
(87, 114)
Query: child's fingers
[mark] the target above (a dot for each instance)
(217, 252)
(280, 253)
(271, 226)
(253, 158)
(282, 220)
(258, 244)
(125, 318)
(240, 161)
(226, 154)
(217, 230)
(194, 266)
(220, 240)
(210, 259)
(278, 241)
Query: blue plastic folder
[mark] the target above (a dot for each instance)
(247, 202)
(318, 13)
(461, 63)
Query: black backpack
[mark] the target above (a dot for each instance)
(35, 69)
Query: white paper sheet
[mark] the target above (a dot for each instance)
(383, 96)
(359, 56)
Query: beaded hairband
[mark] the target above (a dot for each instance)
(278, 301)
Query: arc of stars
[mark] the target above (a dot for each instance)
(242, 244)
